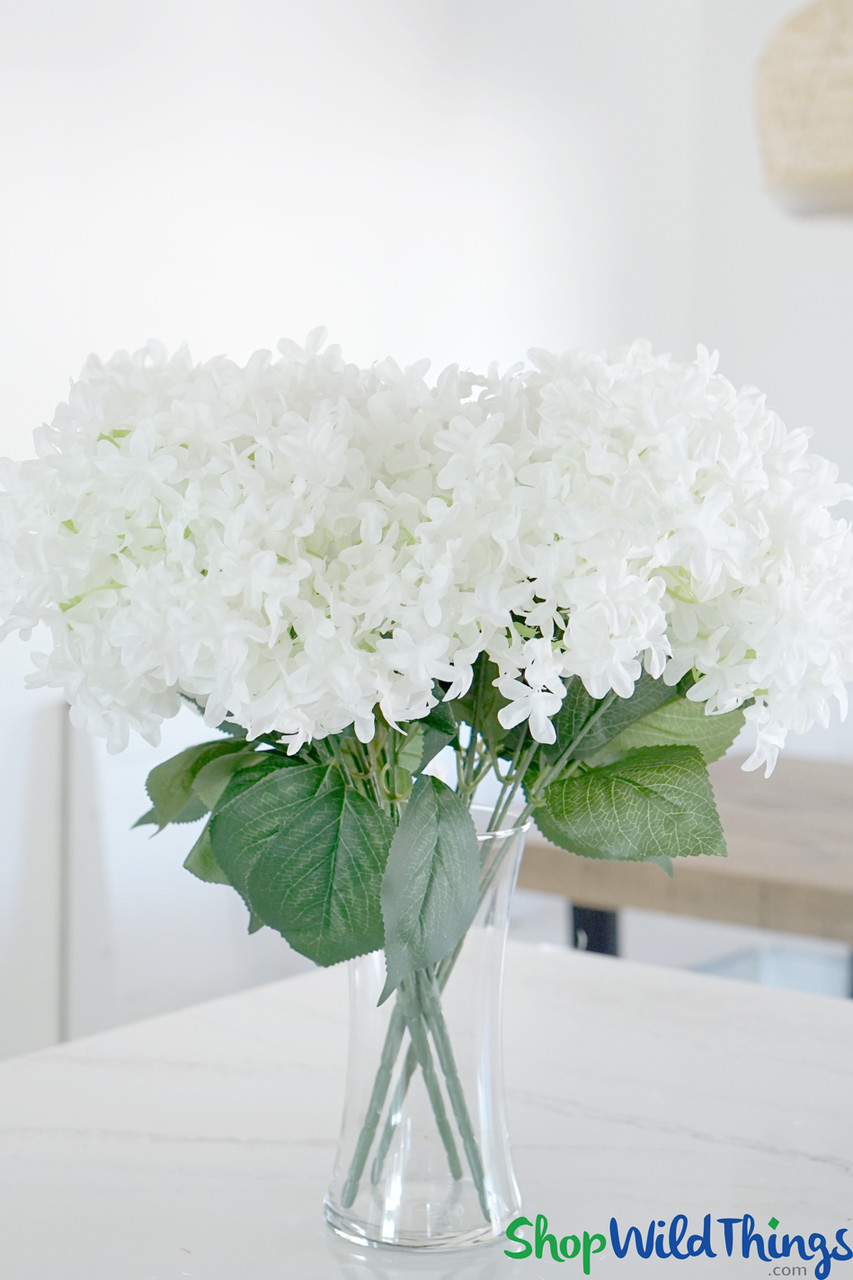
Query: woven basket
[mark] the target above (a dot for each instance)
(804, 104)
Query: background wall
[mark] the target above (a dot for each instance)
(773, 293)
(459, 178)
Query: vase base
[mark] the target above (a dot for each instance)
(371, 1234)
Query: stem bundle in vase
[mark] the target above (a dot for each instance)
(577, 581)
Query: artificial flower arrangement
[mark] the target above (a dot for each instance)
(581, 578)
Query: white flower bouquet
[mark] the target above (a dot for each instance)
(582, 577)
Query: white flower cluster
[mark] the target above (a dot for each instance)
(298, 541)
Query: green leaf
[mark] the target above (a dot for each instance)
(307, 854)
(232, 729)
(170, 784)
(213, 777)
(201, 862)
(579, 707)
(193, 702)
(441, 717)
(430, 889)
(440, 728)
(576, 710)
(479, 707)
(411, 749)
(194, 809)
(682, 723)
(656, 802)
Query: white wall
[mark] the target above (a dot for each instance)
(459, 178)
(462, 179)
(772, 292)
(30, 860)
(174, 939)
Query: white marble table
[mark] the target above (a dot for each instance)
(199, 1144)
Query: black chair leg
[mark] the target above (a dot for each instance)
(594, 930)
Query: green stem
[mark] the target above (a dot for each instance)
(484, 767)
(413, 1010)
(548, 775)
(434, 1018)
(391, 1120)
(511, 787)
(366, 772)
(337, 755)
(460, 762)
(433, 984)
(470, 761)
(407, 1013)
(442, 974)
(390, 1050)
(513, 765)
(506, 784)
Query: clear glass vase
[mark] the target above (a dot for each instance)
(424, 1160)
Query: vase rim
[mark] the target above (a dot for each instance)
(510, 829)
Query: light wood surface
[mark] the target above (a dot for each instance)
(790, 863)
